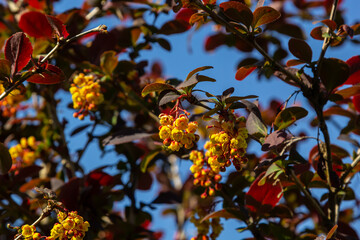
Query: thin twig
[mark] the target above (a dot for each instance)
(344, 180)
(313, 202)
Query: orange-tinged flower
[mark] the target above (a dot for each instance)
(28, 230)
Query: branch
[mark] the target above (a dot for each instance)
(327, 40)
(344, 180)
(313, 202)
(251, 42)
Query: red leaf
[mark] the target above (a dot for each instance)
(266, 195)
(35, 24)
(185, 14)
(37, 4)
(238, 12)
(244, 71)
(356, 102)
(57, 26)
(354, 64)
(18, 51)
(49, 75)
(99, 178)
(214, 41)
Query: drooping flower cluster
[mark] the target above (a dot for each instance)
(70, 226)
(203, 226)
(86, 95)
(25, 153)
(227, 145)
(10, 104)
(177, 133)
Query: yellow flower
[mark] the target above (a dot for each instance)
(166, 119)
(165, 132)
(177, 134)
(192, 127)
(27, 230)
(181, 123)
(174, 146)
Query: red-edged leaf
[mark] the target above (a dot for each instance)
(238, 12)
(317, 33)
(35, 24)
(348, 92)
(57, 26)
(18, 51)
(294, 62)
(214, 41)
(288, 116)
(50, 75)
(300, 49)
(333, 73)
(354, 64)
(264, 15)
(265, 196)
(244, 71)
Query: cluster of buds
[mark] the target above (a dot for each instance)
(10, 104)
(203, 227)
(71, 226)
(203, 174)
(86, 95)
(26, 152)
(227, 145)
(177, 133)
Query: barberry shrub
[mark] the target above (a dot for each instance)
(275, 188)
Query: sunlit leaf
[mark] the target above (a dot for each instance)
(288, 116)
(294, 62)
(255, 126)
(108, 62)
(148, 158)
(51, 75)
(264, 15)
(35, 24)
(57, 26)
(244, 71)
(196, 70)
(354, 64)
(156, 87)
(348, 92)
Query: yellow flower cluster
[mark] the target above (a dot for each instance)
(10, 104)
(203, 174)
(29, 232)
(203, 227)
(177, 133)
(227, 145)
(86, 95)
(70, 226)
(25, 152)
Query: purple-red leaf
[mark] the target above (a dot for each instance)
(263, 196)
(333, 73)
(294, 62)
(238, 12)
(264, 15)
(214, 41)
(244, 71)
(57, 26)
(300, 49)
(49, 75)
(18, 51)
(35, 24)
(317, 33)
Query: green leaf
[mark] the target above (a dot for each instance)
(5, 159)
(333, 73)
(255, 126)
(108, 62)
(196, 70)
(264, 15)
(244, 71)
(238, 12)
(156, 87)
(288, 116)
(147, 159)
(300, 49)
(272, 172)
